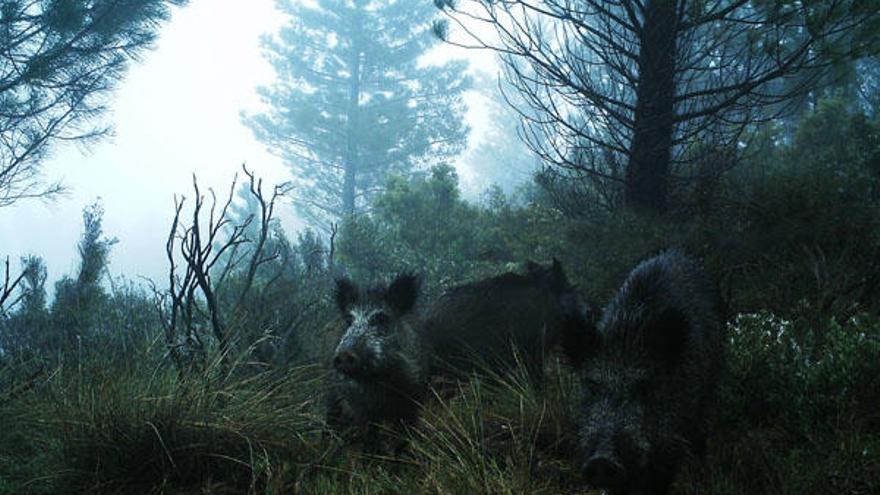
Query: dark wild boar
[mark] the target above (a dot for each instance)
(487, 323)
(380, 363)
(649, 377)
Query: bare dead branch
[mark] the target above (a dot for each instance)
(10, 284)
(645, 81)
(213, 244)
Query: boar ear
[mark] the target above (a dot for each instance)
(667, 336)
(346, 294)
(403, 292)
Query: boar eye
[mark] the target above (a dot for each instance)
(379, 319)
(348, 318)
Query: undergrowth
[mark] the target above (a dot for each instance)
(795, 415)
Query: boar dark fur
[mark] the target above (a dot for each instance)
(486, 323)
(380, 364)
(649, 377)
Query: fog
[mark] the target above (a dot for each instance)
(175, 114)
(645, 260)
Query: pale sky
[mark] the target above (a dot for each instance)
(175, 114)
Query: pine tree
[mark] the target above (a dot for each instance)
(645, 83)
(77, 308)
(58, 61)
(353, 103)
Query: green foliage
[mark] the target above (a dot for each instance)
(792, 233)
(136, 427)
(780, 378)
(789, 421)
(423, 222)
(82, 313)
(277, 317)
(272, 313)
(21, 332)
(792, 229)
(34, 297)
(79, 301)
(805, 219)
(796, 416)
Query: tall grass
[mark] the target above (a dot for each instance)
(144, 429)
(791, 419)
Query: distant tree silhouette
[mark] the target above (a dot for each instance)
(353, 103)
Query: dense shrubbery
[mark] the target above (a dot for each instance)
(792, 228)
(797, 416)
(792, 233)
(141, 429)
(806, 227)
(787, 423)
(420, 222)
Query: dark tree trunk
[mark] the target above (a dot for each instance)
(651, 148)
(351, 154)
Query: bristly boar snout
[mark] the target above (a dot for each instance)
(649, 376)
(373, 319)
(380, 363)
(359, 353)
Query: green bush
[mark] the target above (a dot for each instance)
(93, 429)
(795, 416)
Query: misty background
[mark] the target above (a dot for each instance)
(401, 193)
(177, 113)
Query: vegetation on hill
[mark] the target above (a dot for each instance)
(92, 400)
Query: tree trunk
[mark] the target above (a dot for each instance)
(351, 154)
(651, 147)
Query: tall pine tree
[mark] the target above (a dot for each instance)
(353, 101)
